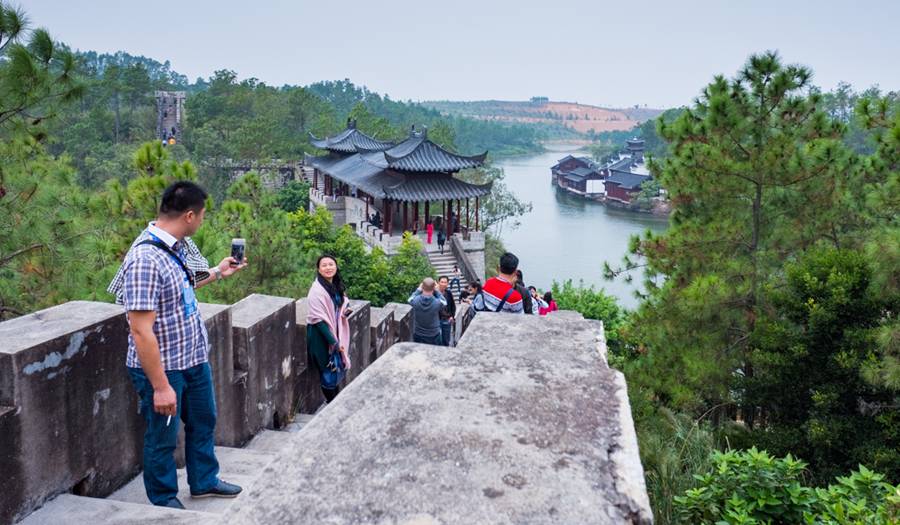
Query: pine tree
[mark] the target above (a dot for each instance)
(756, 174)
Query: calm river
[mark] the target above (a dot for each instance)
(566, 237)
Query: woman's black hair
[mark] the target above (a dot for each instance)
(337, 284)
(548, 297)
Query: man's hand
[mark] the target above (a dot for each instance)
(164, 401)
(226, 266)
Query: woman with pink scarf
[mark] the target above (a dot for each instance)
(327, 327)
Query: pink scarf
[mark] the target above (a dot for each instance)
(321, 308)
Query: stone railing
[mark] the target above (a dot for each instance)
(469, 251)
(465, 265)
(318, 198)
(376, 237)
(68, 411)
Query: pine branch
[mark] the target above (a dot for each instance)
(4, 260)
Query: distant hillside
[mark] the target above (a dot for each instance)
(582, 118)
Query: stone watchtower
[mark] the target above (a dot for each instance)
(169, 114)
(635, 147)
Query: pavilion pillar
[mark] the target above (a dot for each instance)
(476, 213)
(467, 213)
(405, 216)
(427, 213)
(316, 178)
(386, 222)
(458, 213)
(449, 226)
(366, 198)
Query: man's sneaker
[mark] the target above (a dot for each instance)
(174, 503)
(222, 489)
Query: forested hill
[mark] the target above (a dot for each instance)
(580, 118)
(470, 136)
(118, 80)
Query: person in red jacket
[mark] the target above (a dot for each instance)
(499, 293)
(551, 304)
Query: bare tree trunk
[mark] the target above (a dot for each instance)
(118, 118)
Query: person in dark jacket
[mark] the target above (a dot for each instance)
(441, 238)
(527, 303)
(427, 306)
(448, 313)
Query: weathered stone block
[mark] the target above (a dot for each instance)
(307, 385)
(403, 321)
(68, 410)
(382, 332)
(264, 351)
(494, 431)
(360, 338)
(460, 321)
(217, 317)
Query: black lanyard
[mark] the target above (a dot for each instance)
(168, 249)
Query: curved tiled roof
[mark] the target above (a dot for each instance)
(420, 189)
(627, 180)
(370, 173)
(351, 140)
(417, 153)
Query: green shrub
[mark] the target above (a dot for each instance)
(752, 487)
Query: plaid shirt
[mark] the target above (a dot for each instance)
(152, 280)
(194, 259)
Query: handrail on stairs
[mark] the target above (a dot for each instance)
(462, 259)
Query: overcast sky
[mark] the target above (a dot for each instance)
(621, 53)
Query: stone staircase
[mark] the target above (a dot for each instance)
(129, 505)
(443, 264)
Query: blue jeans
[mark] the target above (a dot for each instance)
(197, 409)
(428, 340)
(445, 333)
(455, 282)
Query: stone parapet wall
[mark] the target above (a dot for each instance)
(69, 419)
(492, 431)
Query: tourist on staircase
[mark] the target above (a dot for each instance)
(441, 238)
(456, 279)
(328, 326)
(427, 306)
(168, 350)
(499, 293)
(448, 312)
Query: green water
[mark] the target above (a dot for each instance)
(566, 236)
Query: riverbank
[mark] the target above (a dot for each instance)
(568, 237)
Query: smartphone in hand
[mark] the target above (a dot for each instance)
(237, 251)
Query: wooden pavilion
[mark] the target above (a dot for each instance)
(400, 180)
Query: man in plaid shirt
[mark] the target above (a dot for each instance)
(168, 349)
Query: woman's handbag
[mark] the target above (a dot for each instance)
(334, 372)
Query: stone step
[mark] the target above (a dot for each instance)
(236, 465)
(271, 441)
(68, 508)
(300, 420)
